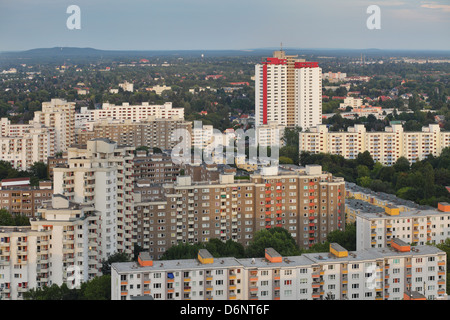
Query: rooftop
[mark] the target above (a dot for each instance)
(304, 260)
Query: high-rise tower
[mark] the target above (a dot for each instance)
(288, 91)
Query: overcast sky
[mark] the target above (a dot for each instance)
(224, 24)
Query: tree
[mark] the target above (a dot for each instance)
(117, 257)
(6, 219)
(98, 288)
(39, 170)
(401, 165)
(53, 292)
(346, 239)
(365, 158)
(291, 136)
(285, 160)
(277, 238)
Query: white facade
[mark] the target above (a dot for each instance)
(26, 144)
(270, 134)
(372, 274)
(126, 111)
(101, 176)
(61, 246)
(60, 115)
(385, 147)
(308, 97)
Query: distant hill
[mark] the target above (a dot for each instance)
(57, 54)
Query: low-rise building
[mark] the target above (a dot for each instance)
(372, 274)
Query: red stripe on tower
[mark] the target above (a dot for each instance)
(264, 93)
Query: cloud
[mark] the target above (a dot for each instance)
(434, 5)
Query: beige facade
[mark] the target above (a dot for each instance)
(385, 147)
(60, 115)
(25, 200)
(151, 132)
(309, 204)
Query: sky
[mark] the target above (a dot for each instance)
(225, 24)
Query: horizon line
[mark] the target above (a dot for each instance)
(243, 49)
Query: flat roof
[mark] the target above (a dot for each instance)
(304, 260)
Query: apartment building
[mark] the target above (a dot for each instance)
(288, 91)
(60, 246)
(385, 147)
(59, 159)
(155, 168)
(151, 132)
(126, 111)
(60, 115)
(27, 144)
(270, 135)
(101, 174)
(372, 274)
(24, 200)
(381, 217)
(308, 203)
(377, 226)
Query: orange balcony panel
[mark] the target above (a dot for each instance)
(268, 191)
(268, 219)
(311, 197)
(311, 218)
(124, 293)
(268, 185)
(268, 227)
(279, 211)
(279, 190)
(279, 225)
(268, 199)
(279, 218)
(279, 198)
(279, 184)
(278, 204)
(268, 205)
(311, 204)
